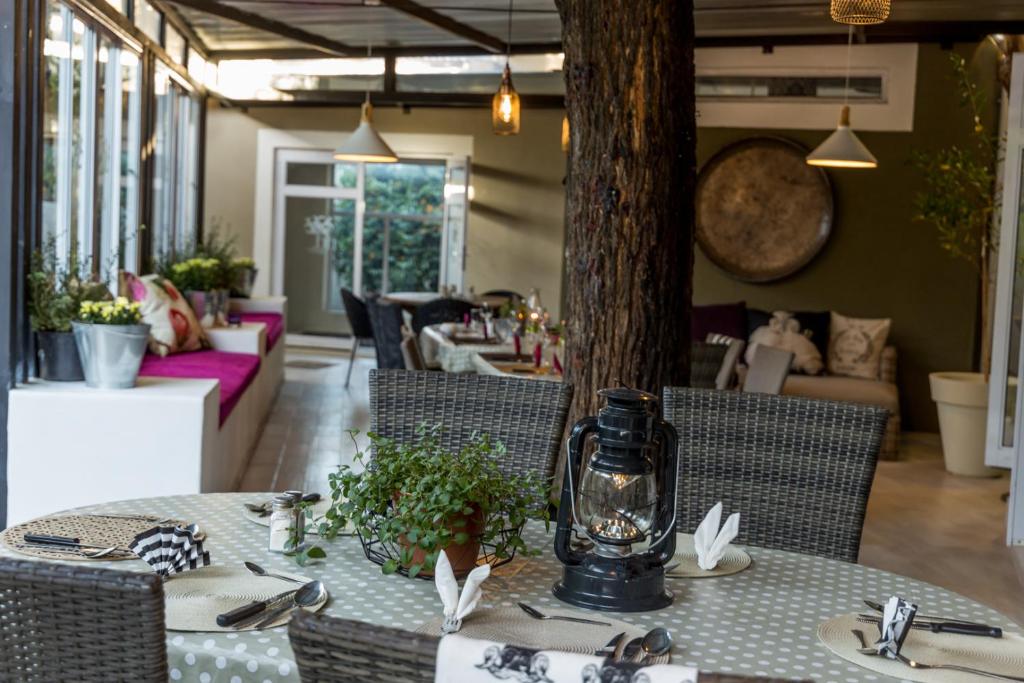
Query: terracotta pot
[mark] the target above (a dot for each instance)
(462, 556)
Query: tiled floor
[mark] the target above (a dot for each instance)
(921, 521)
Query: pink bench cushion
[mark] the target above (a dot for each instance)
(234, 371)
(274, 322)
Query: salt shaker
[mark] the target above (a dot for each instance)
(300, 516)
(282, 524)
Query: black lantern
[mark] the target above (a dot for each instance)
(622, 499)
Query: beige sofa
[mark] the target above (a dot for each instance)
(880, 392)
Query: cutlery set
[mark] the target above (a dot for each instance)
(262, 613)
(913, 664)
(643, 651)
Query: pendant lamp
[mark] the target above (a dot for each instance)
(860, 12)
(843, 149)
(365, 143)
(505, 103)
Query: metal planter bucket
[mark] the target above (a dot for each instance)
(58, 357)
(244, 280)
(211, 307)
(111, 354)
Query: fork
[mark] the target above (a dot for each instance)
(540, 615)
(865, 650)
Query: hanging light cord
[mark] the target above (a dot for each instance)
(849, 49)
(508, 43)
(369, 55)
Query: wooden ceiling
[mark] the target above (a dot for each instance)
(306, 27)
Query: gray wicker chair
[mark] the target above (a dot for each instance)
(332, 650)
(706, 364)
(527, 416)
(72, 623)
(798, 470)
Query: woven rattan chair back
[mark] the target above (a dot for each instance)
(358, 315)
(332, 650)
(387, 320)
(798, 470)
(65, 622)
(705, 364)
(439, 311)
(527, 416)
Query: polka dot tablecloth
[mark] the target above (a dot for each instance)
(437, 348)
(761, 621)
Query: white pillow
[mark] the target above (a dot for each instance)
(855, 345)
(783, 332)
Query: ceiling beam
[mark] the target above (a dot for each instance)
(408, 51)
(321, 43)
(341, 98)
(173, 17)
(944, 32)
(446, 23)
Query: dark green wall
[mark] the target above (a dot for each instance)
(879, 262)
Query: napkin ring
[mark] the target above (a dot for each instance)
(450, 624)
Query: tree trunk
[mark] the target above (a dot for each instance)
(630, 98)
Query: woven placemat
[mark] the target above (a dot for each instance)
(999, 655)
(734, 560)
(193, 599)
(319, 508)
(95, 529)
(512, 626)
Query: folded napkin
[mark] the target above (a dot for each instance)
(710, 542)
(467, 660)
(897, 618)
(456, 606)
(170, 549)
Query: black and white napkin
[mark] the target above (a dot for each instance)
(171, 549)
(897, 618)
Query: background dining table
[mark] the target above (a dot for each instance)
(439, 348)
(761, 621)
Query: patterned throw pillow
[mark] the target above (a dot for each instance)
(174, 325)
(783, 332)
(856, 344)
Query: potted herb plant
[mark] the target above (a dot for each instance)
(55, 295)
(111, 342)
(419, 498)
(243, 276)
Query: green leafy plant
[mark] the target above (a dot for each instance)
(303, 553)
(203, 266)
(423, 498)
(56, 292)
(120, 311)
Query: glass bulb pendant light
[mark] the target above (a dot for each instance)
(843, 149)
(365, 143)
(860, 12)
(505, 103)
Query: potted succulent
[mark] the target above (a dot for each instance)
(243, 276)
(55, 295)
(111, 342)
(416, 499)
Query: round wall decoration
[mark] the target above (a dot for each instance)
(762, 212)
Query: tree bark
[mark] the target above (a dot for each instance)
(630, 99)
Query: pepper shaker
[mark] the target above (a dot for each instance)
(282, 524)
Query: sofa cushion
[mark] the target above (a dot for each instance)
(273, 321)
(813, 324)
(856, 346)
(173, 325)
(727, 319)
(234, 371)
(850, 389)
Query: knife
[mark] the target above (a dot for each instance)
(65, 541)
(930, 617)
(945, 627)
(252, 609)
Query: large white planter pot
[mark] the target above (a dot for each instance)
(962, 402)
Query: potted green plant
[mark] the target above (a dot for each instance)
(243, 276)
(111, 342)
(419, 498)
(200, 280)
(55, 295)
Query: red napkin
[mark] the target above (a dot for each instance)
(556, 364)
(517, 343)
(536, 355)
(466, 319)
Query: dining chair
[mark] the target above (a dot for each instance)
(332, 650)
(705, 364)
(525, 415)
(507, 293)
(66, 622)
(440, 311)
(798, 470)
(733, 354)
(359, 321)
(768, 370)
(386, 321)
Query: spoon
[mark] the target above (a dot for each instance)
(307, 596)
(260, 571)
(657, 642)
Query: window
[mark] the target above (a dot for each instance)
(174, 44)
(532, 74)
(277, 79)
(861, 89)
(148, 19)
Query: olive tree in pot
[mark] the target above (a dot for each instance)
(960, 199)
(56, 293)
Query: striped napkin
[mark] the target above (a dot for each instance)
(170, 549)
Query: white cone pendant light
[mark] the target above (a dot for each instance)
(365, 143)
(843, 149)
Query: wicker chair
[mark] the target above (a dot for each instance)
(527, 416)
(332, 650)
(798, 470)
(66, 622)
(359, 321)
(439, 311)
(387, 321)
(706, 364)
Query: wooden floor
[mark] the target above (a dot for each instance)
(921, 521)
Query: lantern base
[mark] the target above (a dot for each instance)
(614, 586)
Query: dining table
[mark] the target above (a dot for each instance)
(760, 621)
(439, 348)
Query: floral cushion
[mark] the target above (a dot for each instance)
(174, 325)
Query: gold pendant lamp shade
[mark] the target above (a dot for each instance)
(860, 12)
(505, 107)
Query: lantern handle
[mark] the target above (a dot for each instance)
(574, 458)
(665, 546)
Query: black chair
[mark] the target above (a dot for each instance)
(386, 321)
(439, 311)
(359, 321)
(513, 297)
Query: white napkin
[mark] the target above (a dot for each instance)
(456, 606)
(710, 542)
(467, 660)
